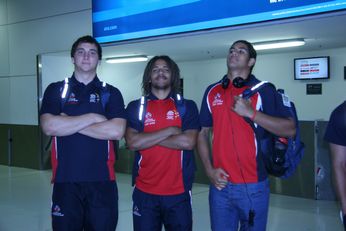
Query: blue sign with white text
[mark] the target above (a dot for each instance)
(132, 19)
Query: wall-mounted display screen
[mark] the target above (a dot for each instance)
(122, 20)
(311, 68)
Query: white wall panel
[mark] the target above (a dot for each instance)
(23, 100)
(4, 102)
(4, 57)
(55, 68)
(126, 77)
(41, 36)
(279, 70)
(24, 10)
(198, 75)
(3, 12)
(29, 28)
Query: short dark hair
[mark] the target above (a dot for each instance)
(86, 39)
(175, 74)
(251, 49)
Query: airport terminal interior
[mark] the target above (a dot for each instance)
(35, 42)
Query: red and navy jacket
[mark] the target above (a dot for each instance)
(235, 146)
(336, 129)
(80, 158)
(159, 170)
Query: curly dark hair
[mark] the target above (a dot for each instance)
(86, 39)
(175, 74)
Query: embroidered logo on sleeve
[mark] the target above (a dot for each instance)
(57, 211)
(136, 211)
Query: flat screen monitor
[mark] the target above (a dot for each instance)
(122, 20)
(311, 68)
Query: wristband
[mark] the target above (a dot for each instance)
(253, 115)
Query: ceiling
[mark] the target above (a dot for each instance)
(324, 31)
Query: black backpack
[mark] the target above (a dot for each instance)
(281, 155)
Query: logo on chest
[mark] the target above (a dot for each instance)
(149, 120)
(72, 99)
(94, 98)
(171, 115)
(217, 100)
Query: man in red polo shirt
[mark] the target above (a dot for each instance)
(239, 190)
(162, 129)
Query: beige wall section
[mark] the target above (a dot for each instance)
(26, 31)
(23, 100)
(4, 57)
(55, 68)
(24, 10)
(126, 77)
(199, 75)
(279, 70)
(3, 12)
(44, 35)
(4, 102)
(4, 51)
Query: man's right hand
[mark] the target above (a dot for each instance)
(218, 177)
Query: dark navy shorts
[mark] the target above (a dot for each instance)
(150, 212)
(85, 206)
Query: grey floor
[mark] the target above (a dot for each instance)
(25, 205)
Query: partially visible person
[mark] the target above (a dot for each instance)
(83, 115)
(336, 136)
(239, 190)
(162, 130)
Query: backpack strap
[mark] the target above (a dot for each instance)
(142, 109)
(265, 143)
(105, 94)
(247, 93)
(180, 104)
(66, 91)
(280, 155)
